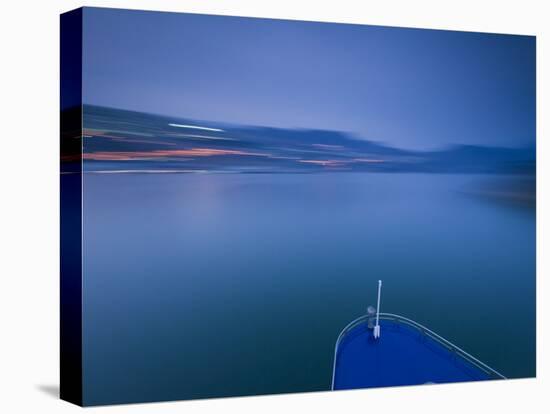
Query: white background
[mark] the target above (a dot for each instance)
(29, 218)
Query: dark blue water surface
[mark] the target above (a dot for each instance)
(209, 285)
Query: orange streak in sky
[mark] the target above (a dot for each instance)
(193, 152)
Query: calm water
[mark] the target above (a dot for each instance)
(230, 284)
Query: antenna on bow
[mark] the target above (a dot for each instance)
(376, 332)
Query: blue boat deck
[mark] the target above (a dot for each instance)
(405, 354)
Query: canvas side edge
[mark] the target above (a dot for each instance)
(71, 383)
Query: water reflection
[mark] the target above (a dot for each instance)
(234, 284)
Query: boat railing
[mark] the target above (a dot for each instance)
(492, 373)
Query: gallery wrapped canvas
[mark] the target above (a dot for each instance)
(257, 206)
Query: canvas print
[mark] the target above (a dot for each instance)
(257, 206)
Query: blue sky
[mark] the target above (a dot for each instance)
(410, 88)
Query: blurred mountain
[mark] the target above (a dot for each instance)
(119, 140)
